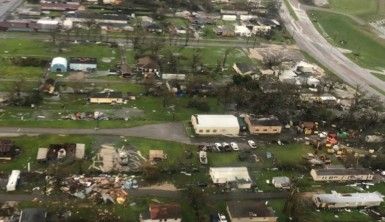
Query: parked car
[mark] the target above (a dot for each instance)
(222, 218)
(226, 146)
(234, 146)
(252, 144)
(218, 146)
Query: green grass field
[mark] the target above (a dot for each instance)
(367, 51)
(354, 6)
(44, 49)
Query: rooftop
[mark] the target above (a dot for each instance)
(335, 197)
(217, 120)
(229, 174)
(343, 171)
(84, 60)
(265, 121)
(108, 95)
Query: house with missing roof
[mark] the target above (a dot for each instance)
(234, 176)
(263, 125)
(347, 200)
(250, 211)
(341, 174)
(215, 124)
(7, 149)
(162, 212)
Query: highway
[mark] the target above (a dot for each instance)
(311, 41)
(6, 6)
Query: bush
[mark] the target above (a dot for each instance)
(199, 104)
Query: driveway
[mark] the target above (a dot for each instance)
(173, 131)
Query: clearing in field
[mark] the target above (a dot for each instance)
(367, 51)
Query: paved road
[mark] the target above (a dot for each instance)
(311, 41)
(174, 131)
(159, 193)
(120, 39)
(6, 6)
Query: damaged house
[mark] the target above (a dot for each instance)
(7, 149)
(61, 151)
(263, 125)
(162, 212)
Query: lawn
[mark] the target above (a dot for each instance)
(152, 107)
(29, 146)
(209, 55)
(176, 152)
(356, 7)
(367, 51)
(45, 49)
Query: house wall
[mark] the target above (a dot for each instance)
(213, 130)
(82, 67)
(316, 177)
(106, 100)
(262, 129)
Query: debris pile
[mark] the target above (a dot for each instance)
(86, 116)
(107, 188)
(110, 159)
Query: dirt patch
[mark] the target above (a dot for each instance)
(289, 53)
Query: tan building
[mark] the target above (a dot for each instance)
(250, 211)
(107, 98)
(215, 124)
(264, 125)
(341, 174)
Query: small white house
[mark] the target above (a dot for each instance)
(242, 30)
(13, 180)
(347, 200)
(229, 17)
(261, 29)
(59, 64)
(225, 175)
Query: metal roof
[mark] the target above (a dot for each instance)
(218, 121)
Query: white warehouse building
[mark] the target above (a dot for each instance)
(345, 200)
(215, 124)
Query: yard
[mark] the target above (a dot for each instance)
(105, 55)
(29, 146)
(367, 51)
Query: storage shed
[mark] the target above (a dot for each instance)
(59, 64)
(237, 175)
(13, 180)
